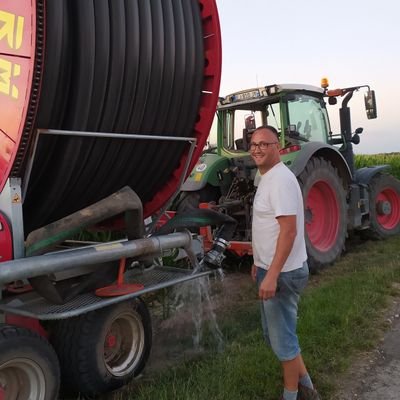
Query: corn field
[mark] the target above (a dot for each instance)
(368, 160)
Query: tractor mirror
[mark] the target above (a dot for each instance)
(370, 104)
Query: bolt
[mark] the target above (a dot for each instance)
(383, 207)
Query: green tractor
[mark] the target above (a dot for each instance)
(338, 199)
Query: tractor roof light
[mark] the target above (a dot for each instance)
(244, 95)
(324, 83)
(271, 90)
(292, 87)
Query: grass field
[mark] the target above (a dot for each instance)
(340, 315)
(393, 159)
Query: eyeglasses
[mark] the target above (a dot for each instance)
(261, 145)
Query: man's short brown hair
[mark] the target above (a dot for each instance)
(270, 128)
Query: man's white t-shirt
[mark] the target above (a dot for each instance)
(278, 194)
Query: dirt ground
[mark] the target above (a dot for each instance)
(376, 375)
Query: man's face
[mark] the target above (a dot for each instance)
(264, 149)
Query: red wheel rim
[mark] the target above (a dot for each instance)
(322, 225)
(388, 220)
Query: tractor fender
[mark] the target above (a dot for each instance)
(365, 174)
(326, 151)
(211, 169)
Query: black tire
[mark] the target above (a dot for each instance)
(188, 201)
(102, 350)
(325, 212)
(384, 203)
(29, 367)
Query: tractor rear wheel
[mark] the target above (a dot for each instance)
(325, 212)
(384, 203)
(102, 350)
(28, 366)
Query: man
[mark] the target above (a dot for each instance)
(280, 268)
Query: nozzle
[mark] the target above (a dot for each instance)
(215, 256)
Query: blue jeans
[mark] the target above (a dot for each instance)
(279, 313)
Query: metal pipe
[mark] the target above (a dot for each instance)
(132, 136)
(30, 267)
(107, 135)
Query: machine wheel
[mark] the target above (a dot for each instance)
(188, 201)
(384, 203)
(102, 350)
(325, 212)
(28, 366)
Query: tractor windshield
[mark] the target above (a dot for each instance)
(310, 117)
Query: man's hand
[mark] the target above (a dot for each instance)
(268, 287)
(254, 273)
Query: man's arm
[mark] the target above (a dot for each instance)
(284, 244)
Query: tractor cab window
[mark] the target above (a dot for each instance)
(238, 125)
(274, 116)
(309, 116)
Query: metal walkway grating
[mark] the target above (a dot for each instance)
(33, 305)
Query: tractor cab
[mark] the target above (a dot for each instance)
(297, 112)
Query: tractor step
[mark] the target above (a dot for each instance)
(153, 279)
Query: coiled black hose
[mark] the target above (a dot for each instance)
(125, 66)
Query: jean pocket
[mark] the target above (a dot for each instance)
(299, 282)
(296, 279)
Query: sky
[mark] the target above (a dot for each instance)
(351, 42)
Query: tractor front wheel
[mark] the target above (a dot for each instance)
(102, 350)
(384, 203)
(188, 201)
(325, 212)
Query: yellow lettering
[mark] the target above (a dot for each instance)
(12, 29)
(5, 76)
(8, 69)
(19, 32)
(14, 89)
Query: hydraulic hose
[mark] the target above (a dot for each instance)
(203, 217)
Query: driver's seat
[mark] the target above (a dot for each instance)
(247, 134)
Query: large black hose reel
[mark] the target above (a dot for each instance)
(130, 67)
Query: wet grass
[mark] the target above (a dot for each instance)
(341, 314)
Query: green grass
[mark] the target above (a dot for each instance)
(341, 314)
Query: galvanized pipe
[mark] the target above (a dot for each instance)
(30, 267)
